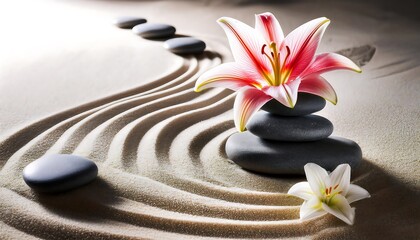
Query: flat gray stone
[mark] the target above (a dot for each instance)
(274, 157)
(306, 104)
(154, 30)
(293, 129)
(185, 45)
(128, 22)
(59, 172)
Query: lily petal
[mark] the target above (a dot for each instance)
(340, 208)
(311, 209)
(227, 75)
(303, 43)
(301, 190)
(317, 85)
(330, 61)
(285, 93)
(317, 178)
(248, 101)
(269, 27)
(246, 45)
(356, 193)
(340, 178)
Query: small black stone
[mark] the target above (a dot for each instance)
(306, 103)
(293, 129)
(128, 22)
(154, 30)
(185, 45)
(274, 157)
(59, 172)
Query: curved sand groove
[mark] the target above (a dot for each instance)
(106, 130)
(50, 136)
(182, 82)
(124, 145)
(11, 144)
(166, 134)
(183, 163)
(135, 218)
(109, 111)
(150, 192)
(119, 112)
(405, 63)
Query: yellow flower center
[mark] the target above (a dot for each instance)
(330, 193)
(280, 74)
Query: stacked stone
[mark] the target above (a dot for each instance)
(281, 140)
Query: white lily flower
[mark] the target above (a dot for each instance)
(328, 193)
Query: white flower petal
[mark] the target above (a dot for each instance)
(292, 91)
(317, 85)
(311, 209)
(286, 93)
(301, 190)
(267, 25)
(248, 101)
(356, 193)
(245, 43)
(228, 75)
(340, 208)
(317, 178)
(303, 43)
(326, 62)
(341, 177)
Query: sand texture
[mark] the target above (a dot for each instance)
(82, 86)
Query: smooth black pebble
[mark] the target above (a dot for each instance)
(306, 104)
(59, 172)
(274, 157)
(128, 22)
(185, 45)
(154, 30)
(294, 129)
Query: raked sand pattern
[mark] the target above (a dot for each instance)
(163, 173)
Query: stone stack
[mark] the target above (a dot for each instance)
(281, 140)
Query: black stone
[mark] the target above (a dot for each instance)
(59, 172)
(185, 45)
(294, 129)
(128, 22)
(274, 157)
(154, 30)
(306, 103)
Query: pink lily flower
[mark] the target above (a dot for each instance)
(268, 65)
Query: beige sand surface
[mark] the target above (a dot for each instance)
(70, 82)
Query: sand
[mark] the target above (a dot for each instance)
(70, 82)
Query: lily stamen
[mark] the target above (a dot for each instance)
(263, 49)
(285, 76)
(275, 63)
(271, 59)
